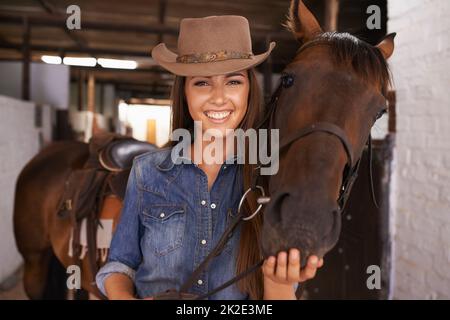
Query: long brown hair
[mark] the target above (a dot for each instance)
(249, 252)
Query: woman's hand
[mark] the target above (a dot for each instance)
(281, 273)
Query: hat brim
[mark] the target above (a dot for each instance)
(167, 59)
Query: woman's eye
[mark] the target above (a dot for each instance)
(204, 83)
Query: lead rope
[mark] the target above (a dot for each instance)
(220, 245)
(232, 280)
(216, 251)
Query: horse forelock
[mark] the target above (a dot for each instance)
(365, 60)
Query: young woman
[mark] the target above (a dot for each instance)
(176, 209)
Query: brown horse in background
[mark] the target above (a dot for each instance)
(43, 233)
(40, 235)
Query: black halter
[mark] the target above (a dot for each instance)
(352, 167)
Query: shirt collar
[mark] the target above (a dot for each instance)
(175, 157)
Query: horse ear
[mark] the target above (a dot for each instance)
(386, 46)
(301, 22)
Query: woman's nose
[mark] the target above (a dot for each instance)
(218, 95)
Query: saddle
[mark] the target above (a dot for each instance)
(105, 173)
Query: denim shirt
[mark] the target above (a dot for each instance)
(169, 223)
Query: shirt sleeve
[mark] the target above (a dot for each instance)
(125, 253)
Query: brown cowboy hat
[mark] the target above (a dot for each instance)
(211, 46)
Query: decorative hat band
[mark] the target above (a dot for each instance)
(213, 56)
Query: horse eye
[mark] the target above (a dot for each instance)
(287, 80)
(381, 113)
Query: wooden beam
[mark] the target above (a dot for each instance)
(58, 49)
(121, 71)
(47, 6)
(50, 20)
(331, 15)
(246, 6)
(26, 60)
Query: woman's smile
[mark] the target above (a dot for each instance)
(218, 116)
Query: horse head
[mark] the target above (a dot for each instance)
(329, 98)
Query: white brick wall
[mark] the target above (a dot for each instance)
(19, 142)
(421, 195)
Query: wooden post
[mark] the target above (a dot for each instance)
(91, 104)
(161, 17)
(102, 99)
(91, 93)
(331, 15)
(81, 77)
(26, 60)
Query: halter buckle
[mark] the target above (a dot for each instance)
(263, 195)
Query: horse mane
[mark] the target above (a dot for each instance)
(366, 60)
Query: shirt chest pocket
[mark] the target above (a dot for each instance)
(164, 227)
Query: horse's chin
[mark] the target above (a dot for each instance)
(275, 239)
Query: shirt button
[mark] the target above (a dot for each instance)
(199, 281)
(213, 205)
(203, 241)
(203, 202)
(162, 215)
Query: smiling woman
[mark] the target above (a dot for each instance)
(175, 212)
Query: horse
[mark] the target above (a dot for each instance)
(45, 228)
(328, 99)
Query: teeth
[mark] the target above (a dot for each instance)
(217, 115)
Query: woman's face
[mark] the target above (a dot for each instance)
(219, 102)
